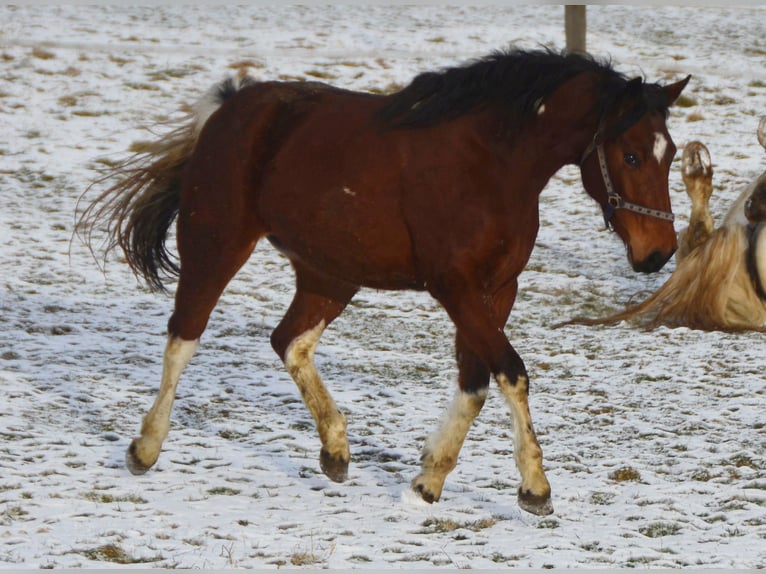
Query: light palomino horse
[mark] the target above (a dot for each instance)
(720, 284)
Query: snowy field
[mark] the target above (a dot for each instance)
(654, 441)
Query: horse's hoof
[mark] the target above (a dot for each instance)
(336, 468)
(535, 503)
(695, 161)
(134, 464)
(423, 491)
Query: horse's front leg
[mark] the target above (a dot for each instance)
(535, 491)
(441, 450)
(480, 322)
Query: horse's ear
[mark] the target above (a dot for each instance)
(633, 88)
(672, 91)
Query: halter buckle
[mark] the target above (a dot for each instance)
(613, 200)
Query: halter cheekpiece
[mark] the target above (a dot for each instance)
(613, 200)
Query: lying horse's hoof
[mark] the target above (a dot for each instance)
(132, 461)
(335, 467)
(695, 161)
(534, 503)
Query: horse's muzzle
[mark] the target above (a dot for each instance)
(653, 263)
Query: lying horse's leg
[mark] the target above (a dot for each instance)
(441, 450)
(317, 302)
(210, 256)
(481, 328)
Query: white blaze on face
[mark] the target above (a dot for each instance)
(660, 146)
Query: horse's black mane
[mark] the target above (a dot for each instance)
(515, 80)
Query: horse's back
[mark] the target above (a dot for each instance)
(312, 167)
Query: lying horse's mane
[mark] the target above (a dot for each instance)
(517, 81)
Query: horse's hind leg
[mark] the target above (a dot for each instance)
(144, 451)
(210, 256)
(317, 302)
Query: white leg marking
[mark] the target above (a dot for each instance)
(331, 423)
(527, 451)
(443, 446)
(156, 423)
(660, 146)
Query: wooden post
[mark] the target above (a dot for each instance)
(574, 27)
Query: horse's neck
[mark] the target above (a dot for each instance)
(568, 124)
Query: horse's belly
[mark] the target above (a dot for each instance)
(345, 233)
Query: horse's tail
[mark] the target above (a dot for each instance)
(135, 212)
(641, 310)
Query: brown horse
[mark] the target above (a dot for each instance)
(433, 188)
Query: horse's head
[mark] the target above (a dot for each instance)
(626, 170)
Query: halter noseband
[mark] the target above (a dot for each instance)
(613, 199)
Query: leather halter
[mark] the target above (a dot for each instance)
(613, 200)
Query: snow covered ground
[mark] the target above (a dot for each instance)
(654, 441)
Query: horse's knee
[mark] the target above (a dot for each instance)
(279, 342)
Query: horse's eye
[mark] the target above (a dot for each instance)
(632, 160)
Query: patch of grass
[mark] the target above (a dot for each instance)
(142, 86)
(685, 101)
(67, 101)
(311, 556)
(744, 460)
(548, 523)
(500, 485)
(88, 113)
(173, 73)
(224, 490)
(625, 474)
(118, 60)
(42, 54)
(115, 554)
(724, 101)
(244, 65)
(602, 498)
(701, 475)
(442, 525)
(109, 499)
(499, 558)
(660, 529)
(13, 513)
(320, 75)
